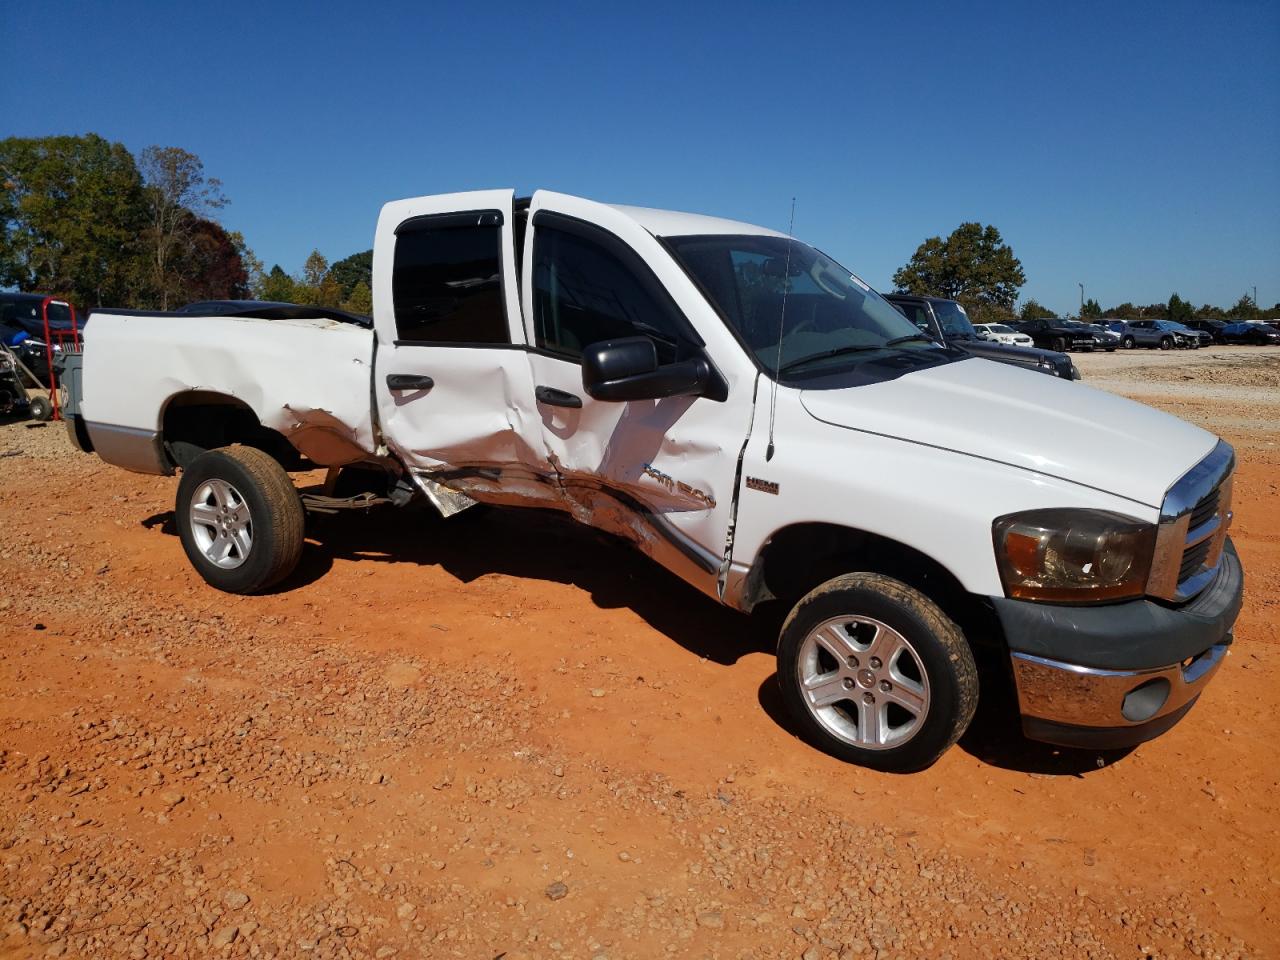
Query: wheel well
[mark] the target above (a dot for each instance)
(798, 558)
(198, 420)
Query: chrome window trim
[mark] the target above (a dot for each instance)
(1173, 536)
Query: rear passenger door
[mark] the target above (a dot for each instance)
(452, 382)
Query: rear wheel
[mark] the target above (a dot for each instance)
(876, 674)
(240, 519)
(39, 408)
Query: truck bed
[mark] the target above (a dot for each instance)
(306, 378)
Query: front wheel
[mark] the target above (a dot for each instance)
(240, 519)
(874, 673)
(1059, 345)
(1128, 343)
(1166, 343)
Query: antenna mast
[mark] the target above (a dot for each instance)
(782, 317)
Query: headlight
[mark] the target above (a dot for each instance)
(1073, 556)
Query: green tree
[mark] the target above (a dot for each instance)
(361, 299)
(252, 265)
(1032, 309)
(973, 265)
(1091, 310)
(352, 270)
(179, 196)
(1179, 310)
(279, 286)
(71, 211)
(1244, 309)
(1209, 312)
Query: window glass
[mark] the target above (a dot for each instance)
(447, 286)
(799, 311)
(583, 294)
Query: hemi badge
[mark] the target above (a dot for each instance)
(764, 486)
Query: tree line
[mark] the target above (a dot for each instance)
(83, 218)
(976, 267)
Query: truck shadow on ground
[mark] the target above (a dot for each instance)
(545, 545)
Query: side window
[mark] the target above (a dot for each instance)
(918, 315)
(447, 282)
(583, 294)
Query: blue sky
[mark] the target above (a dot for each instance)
(1134, 147)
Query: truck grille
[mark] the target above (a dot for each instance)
(1205, 510)
(1193, 528)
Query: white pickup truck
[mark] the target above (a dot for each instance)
(747, 413)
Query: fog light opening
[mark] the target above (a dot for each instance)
(1145, 700)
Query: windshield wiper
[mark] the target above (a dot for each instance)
(836, 352)
(908, 338)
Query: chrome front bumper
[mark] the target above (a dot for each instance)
(1084, 706)
(1114, 675)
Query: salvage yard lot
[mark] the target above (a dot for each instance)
(500, 735)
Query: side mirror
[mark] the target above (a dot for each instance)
(627, 369)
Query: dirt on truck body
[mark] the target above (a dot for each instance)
(556, 749)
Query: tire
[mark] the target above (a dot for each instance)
(39, 408)
(1166, 343)
(899, 648)
(1128, 343)
(253, 518)
(1059, 345)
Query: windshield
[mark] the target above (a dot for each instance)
(955, 322)
(999, 328)
(830, 318)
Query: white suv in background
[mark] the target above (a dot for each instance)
(1003, 334)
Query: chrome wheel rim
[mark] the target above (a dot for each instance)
(863, 682)
(220, 524)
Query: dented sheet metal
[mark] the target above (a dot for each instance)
(306, 378)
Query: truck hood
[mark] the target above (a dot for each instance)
(1024, 419)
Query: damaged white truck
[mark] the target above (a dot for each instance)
(747, 413)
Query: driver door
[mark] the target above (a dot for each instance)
(659, 472)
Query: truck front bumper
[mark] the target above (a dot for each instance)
(1113, 676)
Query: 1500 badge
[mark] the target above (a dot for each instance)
(673, 485)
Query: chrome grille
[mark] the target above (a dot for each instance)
(1193, 528)
(1206, 509)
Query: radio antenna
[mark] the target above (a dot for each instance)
(782, 319)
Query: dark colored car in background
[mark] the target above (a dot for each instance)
(1250, 332)
(1050, 333)
(272, 310)
(1103, 338)
(946, 321)
(1212, 327)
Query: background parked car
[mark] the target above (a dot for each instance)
(1103, 338)
(1203, 338)
(1159, 334)
(1252, 332)
(1211, 327)
(946, 320)
(1003, 333)
(1056, 335)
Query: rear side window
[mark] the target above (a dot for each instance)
(447, 280)
(583, 294)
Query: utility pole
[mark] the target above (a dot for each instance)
(1081, 286)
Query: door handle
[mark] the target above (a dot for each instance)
(409, 381)
(557, 398)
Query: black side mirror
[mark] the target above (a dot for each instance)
(627, 369)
